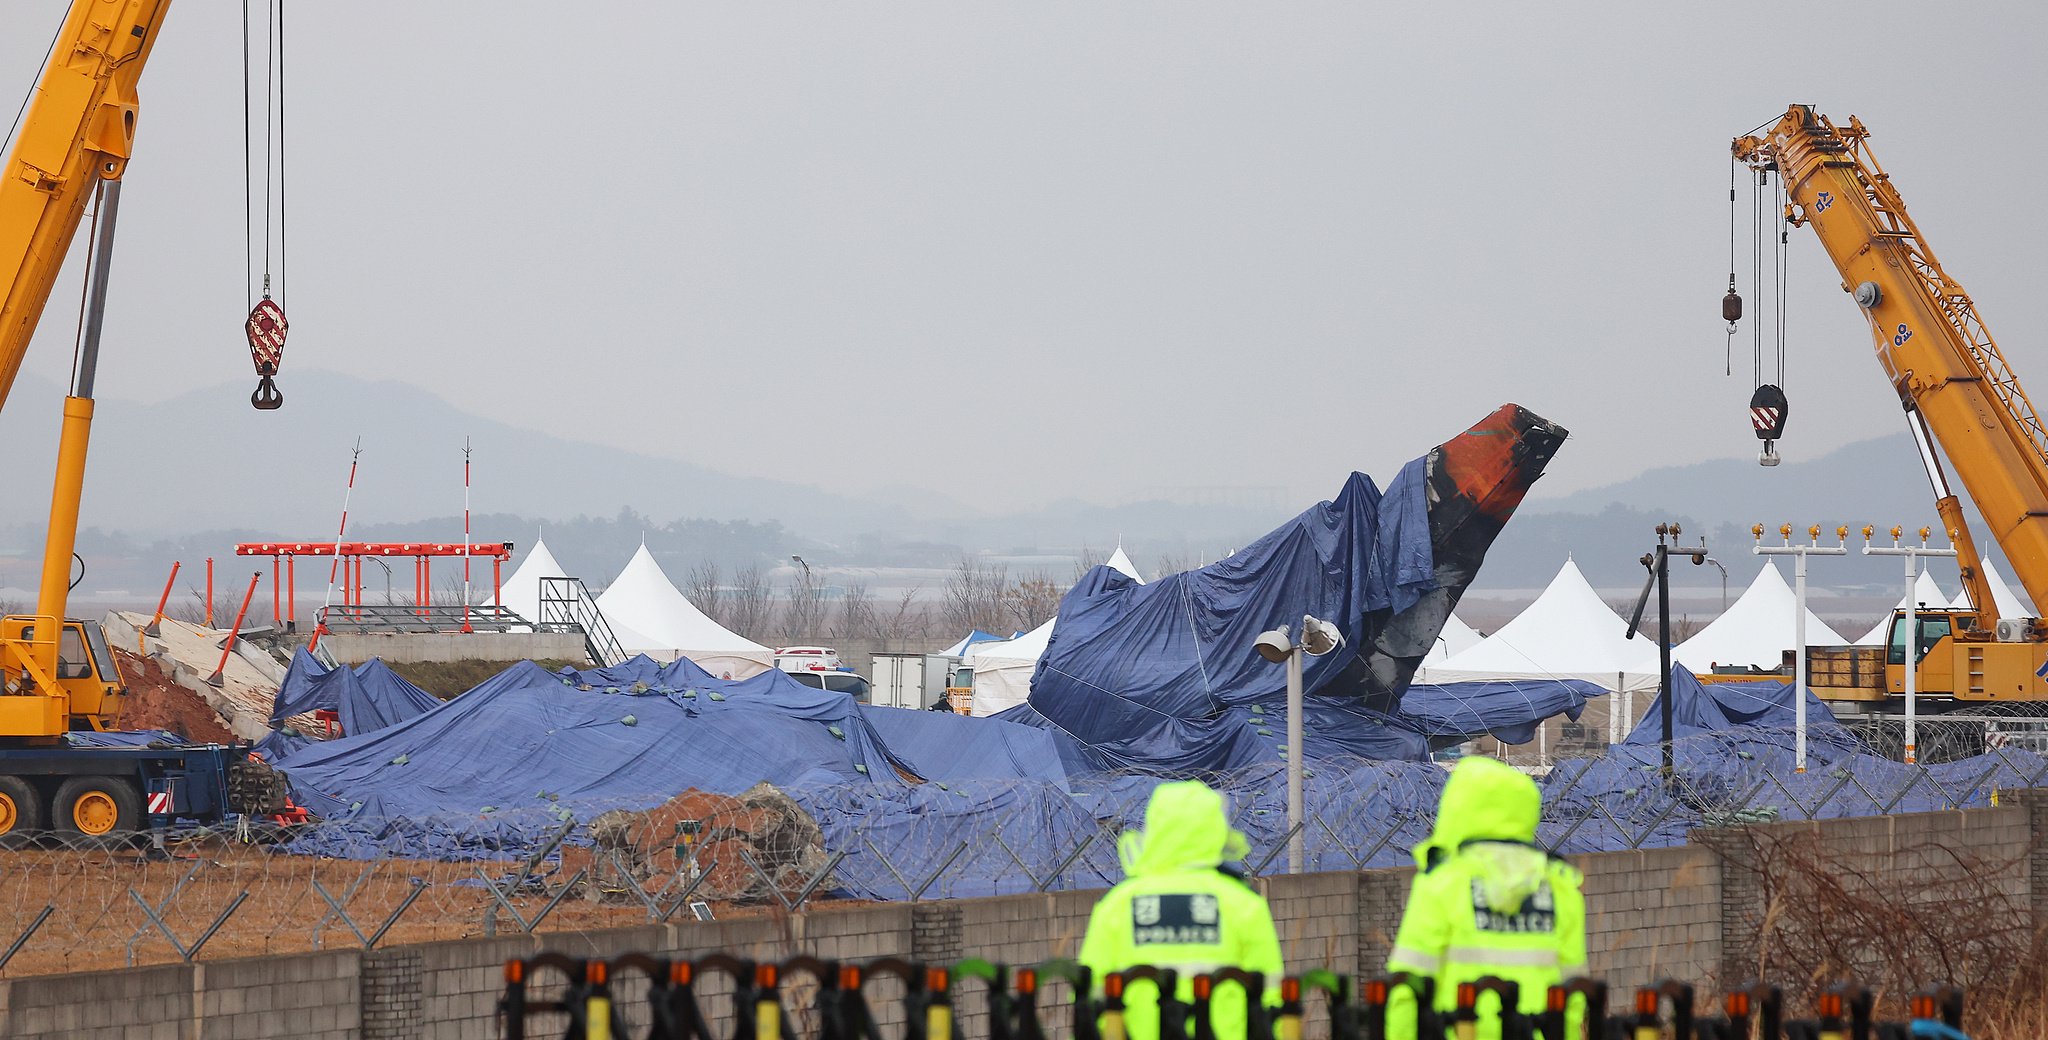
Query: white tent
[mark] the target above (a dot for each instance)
(1757, 630)
(651, 616)
(521, 592)
(1002, 670)
(1925, 593)
(1456, 638)
(1568, 633)
(2009, 604)
(1119, 562)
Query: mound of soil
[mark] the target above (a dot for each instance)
(155, 702)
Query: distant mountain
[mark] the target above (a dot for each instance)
(1878, 480)
(286, 471)
(1605, 529)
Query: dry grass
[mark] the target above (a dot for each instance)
(1830, 914)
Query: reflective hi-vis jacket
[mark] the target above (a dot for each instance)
(1487, 901)
(1177, 910)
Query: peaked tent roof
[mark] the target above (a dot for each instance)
(521, 592)
(1925, 593)
(1568, 633)
(959, 649)
(651, 616)
(1456, 638)
(2009, 603)
(1002, 671)
(1757, 630)
(1119, 562)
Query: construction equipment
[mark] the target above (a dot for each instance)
(1958, 392)
(56, 674)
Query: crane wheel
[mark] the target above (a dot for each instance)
(21, 812)
(96, 806)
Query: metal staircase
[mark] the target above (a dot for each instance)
(567, 606)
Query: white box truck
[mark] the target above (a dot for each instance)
(911, 680)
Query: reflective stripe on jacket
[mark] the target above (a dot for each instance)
(1176, 910)
(1488, 902)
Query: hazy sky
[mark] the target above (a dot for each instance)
(1025, 251)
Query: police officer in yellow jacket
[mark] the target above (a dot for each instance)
(1488, 900)
(1178, 909)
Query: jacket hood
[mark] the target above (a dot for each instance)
(1484, 800)
(1185, 829)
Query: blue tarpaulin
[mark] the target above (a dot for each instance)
(1698, 707)
(1144, 675)
(368, 697)
(1508, 710)
(495, 766)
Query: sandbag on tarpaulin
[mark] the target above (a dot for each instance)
(1142, 674)
(529, 739)
(643, 671)
(367, 697)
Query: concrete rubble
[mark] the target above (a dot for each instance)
(189, 654)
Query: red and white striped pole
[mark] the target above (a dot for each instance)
(333, 568)
(465, 535)
(209, 592)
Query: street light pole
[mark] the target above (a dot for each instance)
(1296, 813)
(1799, 553)
(1724, 582)
(1910, 656)
(1279, 646)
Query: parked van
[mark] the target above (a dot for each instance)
(807, 658)
(849, 683)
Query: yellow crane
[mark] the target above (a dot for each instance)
(56, 674)
(1958, 392)
(74, 144)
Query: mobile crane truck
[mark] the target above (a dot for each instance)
(56, 674)
(1958, 392)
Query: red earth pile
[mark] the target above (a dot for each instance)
(155, 702)
(763, 822)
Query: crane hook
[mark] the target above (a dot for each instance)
(1768, 410)
(266, 330)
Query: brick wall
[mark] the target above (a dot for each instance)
(1694, 911)
(1652, 915)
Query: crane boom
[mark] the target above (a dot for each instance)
(80, 130)
(1952, 379)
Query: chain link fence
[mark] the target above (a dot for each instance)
(69, 903)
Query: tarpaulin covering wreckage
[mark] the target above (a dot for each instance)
(367, 697)
(1159, 676)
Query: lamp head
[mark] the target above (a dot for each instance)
(1319, 637)
(1273, 645)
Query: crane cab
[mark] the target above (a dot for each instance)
(1956, 662)
(89, 687)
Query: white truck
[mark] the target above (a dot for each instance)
(915, 681)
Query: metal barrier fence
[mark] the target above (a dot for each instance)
(69, 903)
(655, 998)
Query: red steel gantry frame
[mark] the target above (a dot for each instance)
(285, 606)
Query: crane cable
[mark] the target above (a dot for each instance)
(1756, 276)
(273, 156)
(1782, 273)
(1729, 314)
(266, 326)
